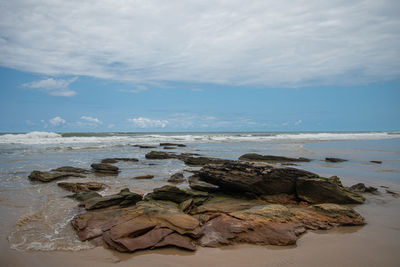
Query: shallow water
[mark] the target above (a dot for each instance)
(37, 216)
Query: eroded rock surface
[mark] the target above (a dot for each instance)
(270, 158)
(46, 177)
(81, 187)
(105, 168)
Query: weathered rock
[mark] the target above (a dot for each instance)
(123, 198)
(144, 226)
(335, 160)
(394, 194)
(196, 184)
(201, 161)
(148, 176)
(320, 190)
(169, 147)
(81, 187)
(252, 179)
(160, 155)
(270, 158)
(83, 196)
(70, 169)
(376, 161)
(176, 178)
(361, 188)
(115, 160)
(105, 168)
(174, 194)
(51, 176)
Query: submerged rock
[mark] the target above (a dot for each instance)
(335, 160)
(361, 188)
(83, 196)
(51, 176)
(172, 144)
(115, 160)
(148, 176)
(81, 187)
(176, 178)
(105, 168)
(376, 161)
(144, 146)
(70, 169)
(270, 158)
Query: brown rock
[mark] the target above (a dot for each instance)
(176, 178)
(105, 168)
(46, 177)
(270, 158)
(81, 187)
(148, 176)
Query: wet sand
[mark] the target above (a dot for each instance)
(375, 244)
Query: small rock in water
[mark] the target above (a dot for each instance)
(115, 160)
(360, 187)
(335, 160)
(169, 147)
(376, 161)
(70, 169)
(105, 168)
(270, 158)
(51, 176)
(148, 176)
(176, 178)
(81, 187)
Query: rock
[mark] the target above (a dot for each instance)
(252, 179)
(51, 176)
(196, 184)
(335, 160)
(172, 144)
(376, 161)
(176, 178)
(123, 198)
(169, 147)
(144, 146)
(160, 155)
(105, 168)
(70, 169)
(115, 160)
(270, 158)
(361, 188)
(83, 196)
(320, 190)
(201, 161)
(394, 194)
(148, 176)
(174, 194)
(81, 187)
(144, 226)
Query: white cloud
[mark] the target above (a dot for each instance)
(57, 121)
(53, 87)
(264, 43)
(138, 89)
(297, 123)
(91, 120)
(148, 123)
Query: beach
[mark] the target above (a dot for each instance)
(36, 227)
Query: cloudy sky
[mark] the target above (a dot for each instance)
(157, 65)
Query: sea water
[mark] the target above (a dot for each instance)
(36, 216)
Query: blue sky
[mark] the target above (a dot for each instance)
(199, 66)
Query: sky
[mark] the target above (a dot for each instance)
(152, 65)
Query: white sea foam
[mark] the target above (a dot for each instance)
(49, 138)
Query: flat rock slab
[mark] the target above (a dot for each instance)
(105, 168)
(271, 158)
(81, 187)
(46, 177)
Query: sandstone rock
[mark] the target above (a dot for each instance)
(335, 160)
(81, 187)
(201, 161)
(169, 147)
(270, 158)
(174, 194)
(148, 176)
(160, 155)
(376, 161)
(83, 196)
(320, 190)
(196, 184)
(361, 188)
(172, 144)
(51, 176)
(176, 178)
(123, 198)
(70, 169)
(144, 146)
(105, 168)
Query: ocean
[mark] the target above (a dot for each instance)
(36, 216)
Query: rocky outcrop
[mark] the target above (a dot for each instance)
(46, 177)
(201, 161)
(115, 160)
(123, 198)
(335, 160)
(81, 187)
(105, 168)
(361, 188)
(196, 184)
(174, 194)
(172, 144)
(148, 176)
(256, 180)
(160, 155)
(176, 178)
(83, 196)
(270, 158)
